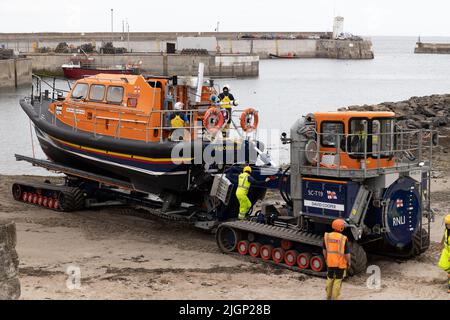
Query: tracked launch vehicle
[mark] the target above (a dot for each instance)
(358, 166)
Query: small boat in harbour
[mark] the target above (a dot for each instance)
(290, 55)
(79, 68)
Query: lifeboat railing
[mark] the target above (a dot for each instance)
(406, 150)
(119, 122)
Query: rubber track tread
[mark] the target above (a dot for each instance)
(276, 232)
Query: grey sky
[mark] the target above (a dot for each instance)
(377, 17)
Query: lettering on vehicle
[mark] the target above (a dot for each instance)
(58, 110)
(398, 221)
(315, 193)
(79, 111)
(324, 205)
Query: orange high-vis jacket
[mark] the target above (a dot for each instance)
(335, 247)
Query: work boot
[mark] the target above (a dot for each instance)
(448, 291)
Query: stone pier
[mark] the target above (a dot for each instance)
(9, 262)
(15, 72)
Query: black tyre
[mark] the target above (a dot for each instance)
(17, 191)
(419, 246)
(71, 200)
(358, 257)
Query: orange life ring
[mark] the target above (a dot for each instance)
(247, 127)
(213, 120)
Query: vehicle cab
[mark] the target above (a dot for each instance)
(355, 140)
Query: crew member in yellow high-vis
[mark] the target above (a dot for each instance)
(444, 261)
(178, 119)
(244, 183)
(242, 192)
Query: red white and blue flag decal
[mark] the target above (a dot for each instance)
(331, 195)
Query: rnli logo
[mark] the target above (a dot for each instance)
(331, 195)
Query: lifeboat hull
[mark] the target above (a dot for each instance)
(149, 167)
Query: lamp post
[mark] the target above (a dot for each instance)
(112, 26)
(128, 36)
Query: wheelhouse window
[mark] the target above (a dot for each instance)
(382, 137)
(330, 133)
(97, 92)
(358, 138)
(80, 91)
(114, 95)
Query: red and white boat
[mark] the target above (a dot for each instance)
(79, 68)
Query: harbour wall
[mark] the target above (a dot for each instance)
(302, 44)
(15, 72)
(233, 65)
(436, 48)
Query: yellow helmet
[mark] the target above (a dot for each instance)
(447, 220)
(248, 169)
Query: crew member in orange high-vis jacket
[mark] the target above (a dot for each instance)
(337, 256)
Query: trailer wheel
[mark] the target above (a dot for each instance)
(303, 260)
(227, 238)
(266, 252)
(417, 247)
(286, 244)
(358, 258)
(317, 263)
(71, 201)
(278, 255)
(16, 191)
(243, 247)
(290, 258)
(254, 249)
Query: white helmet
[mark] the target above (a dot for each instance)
(178, 106)
(227, 86)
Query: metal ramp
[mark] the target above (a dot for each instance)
(359, 210)
(53, 166)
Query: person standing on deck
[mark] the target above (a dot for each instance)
(227, 100)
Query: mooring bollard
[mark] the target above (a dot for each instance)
(9, 263)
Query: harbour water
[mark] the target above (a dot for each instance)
(285, 90)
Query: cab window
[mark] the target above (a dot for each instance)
(330, 131)
(114, 95)
(80, 91)
(357, 139)
(382, 137)
(97, 92)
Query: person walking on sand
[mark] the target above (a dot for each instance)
(444, 261)
(337, 256)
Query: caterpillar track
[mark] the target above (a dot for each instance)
(54, 197)
(285, 246)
